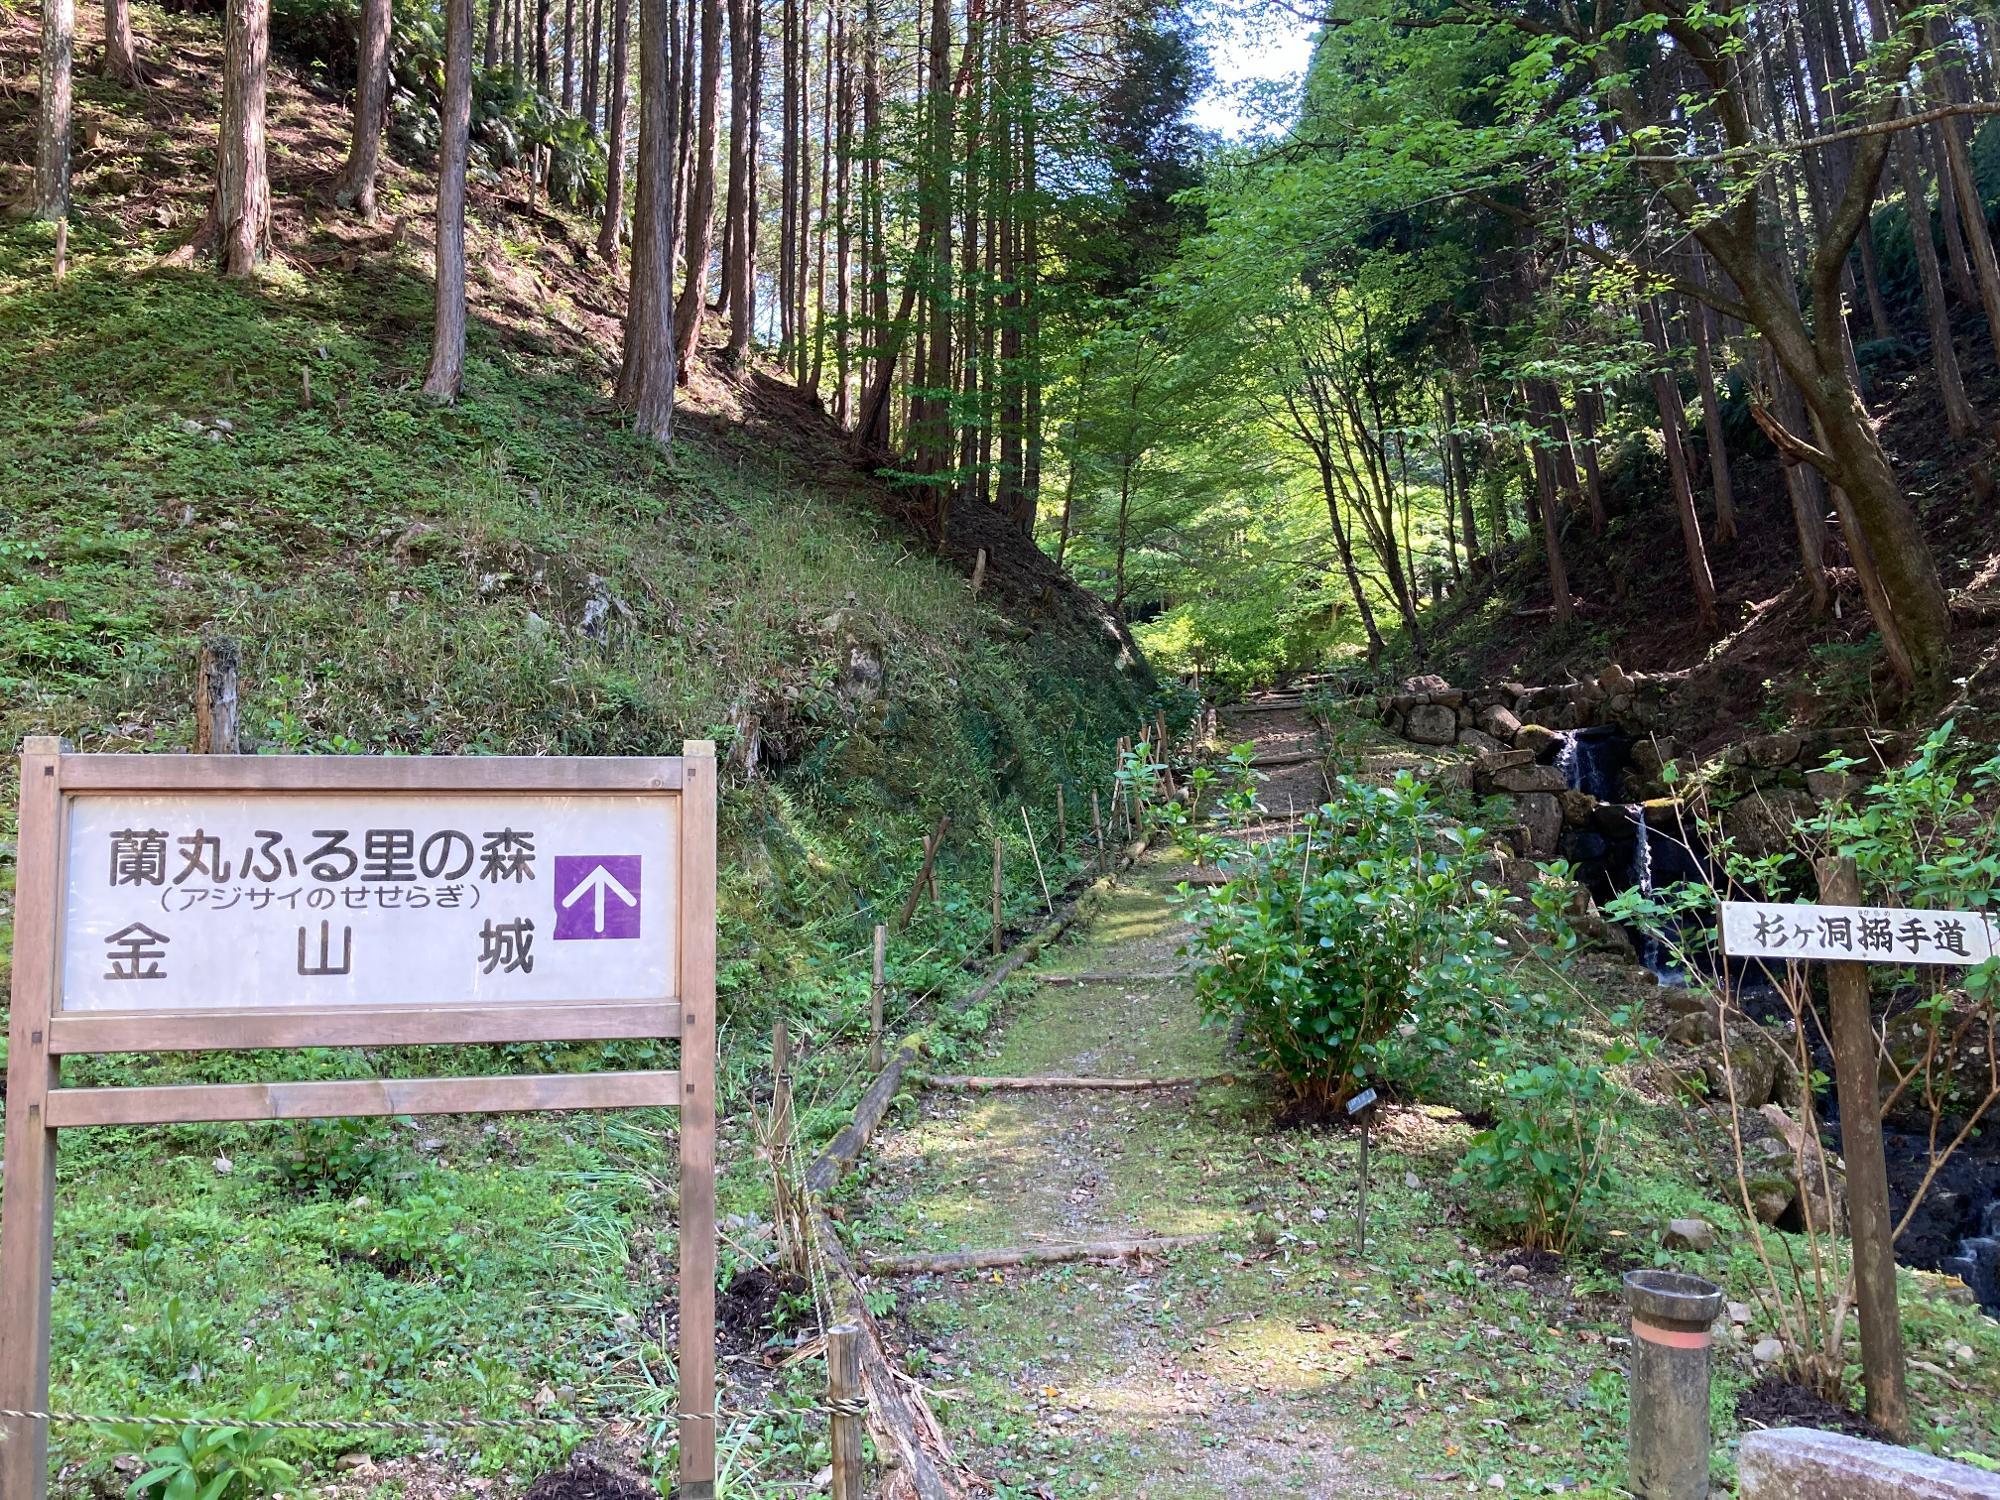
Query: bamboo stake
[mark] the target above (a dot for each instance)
(875, 1000)
(924, 876)
(1044, 879)
(1142, 750)
(978, 572)
(1097, 833)
(996, 897)
(1062, 820)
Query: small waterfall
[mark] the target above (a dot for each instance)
(1650, 952)
(1977, 1263)
(1567, 757)
(1589, 760)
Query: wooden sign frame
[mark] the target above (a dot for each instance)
(38, 1106)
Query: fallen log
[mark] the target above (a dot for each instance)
(846, 1148)
(951, 1261)
(971, 1083)
(1301, 758)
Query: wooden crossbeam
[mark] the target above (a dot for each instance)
(332, 1099)
(387, 1026)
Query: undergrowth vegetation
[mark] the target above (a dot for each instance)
(1923, 837)
(1376, 947)
(513, 575)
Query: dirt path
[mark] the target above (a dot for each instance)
(1280, 735)
(1212, 1373)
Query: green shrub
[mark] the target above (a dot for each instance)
(1358, 949)
(339, 1158)
(418, 1237)
(1539, 1172)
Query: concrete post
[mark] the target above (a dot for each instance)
(1668, 1436)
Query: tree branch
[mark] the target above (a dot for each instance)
(1792, 448)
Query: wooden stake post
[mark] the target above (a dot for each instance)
(1856, 1074)
(400, 901)
(217, 716)
(875, 998)
(997, 888)
(781, 1083)
(1846, 937)
(843, 1386)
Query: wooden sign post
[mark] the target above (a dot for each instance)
(1845, 935)
(174, 903)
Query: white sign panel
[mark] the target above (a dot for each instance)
(197, 902)
(1855, 934)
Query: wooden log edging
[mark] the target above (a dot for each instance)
(1262, 706)
(845, 1149)
(898, 1415)
(950, 1261)
(1297, 758)
(971, 1083)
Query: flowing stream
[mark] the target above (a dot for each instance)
(1957, 1230)
(1977, 1263)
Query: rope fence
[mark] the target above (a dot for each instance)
(853, 1406)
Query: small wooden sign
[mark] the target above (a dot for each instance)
(192, 903)
(1856, 934)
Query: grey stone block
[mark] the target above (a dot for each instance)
(1798, 1463)
(1431, 724)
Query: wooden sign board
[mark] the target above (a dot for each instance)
(1807, 932)
(194, 903)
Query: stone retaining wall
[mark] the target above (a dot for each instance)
(1515, 733)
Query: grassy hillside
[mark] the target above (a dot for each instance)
(514, 574)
